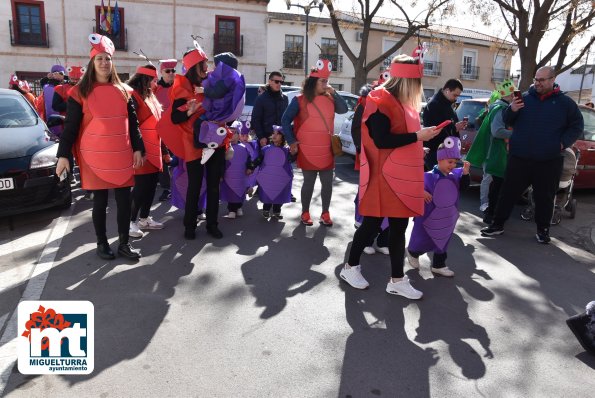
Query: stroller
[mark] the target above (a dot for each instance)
(565, 200)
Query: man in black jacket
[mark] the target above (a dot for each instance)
(268, 108)
(437, 111)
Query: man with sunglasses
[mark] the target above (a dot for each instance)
(546, 122)
(167, 68)
(268, 108)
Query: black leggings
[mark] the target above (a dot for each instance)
(215, 167)
(267, 207)
(143, 193)
(99, 212)
(396, 241)
(493, 194)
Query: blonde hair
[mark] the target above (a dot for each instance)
(406, 90)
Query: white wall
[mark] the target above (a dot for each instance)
(572, 82)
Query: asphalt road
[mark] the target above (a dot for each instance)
(262, 312)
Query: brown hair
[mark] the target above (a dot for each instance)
(406, 90)
(86, 83)
(309, 88)
(141, 83)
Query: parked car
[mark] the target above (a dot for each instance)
(27, 160)
(351, 100)
(252, 93)
(585, 177)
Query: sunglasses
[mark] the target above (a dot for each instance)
(169, 70)
(278, 81)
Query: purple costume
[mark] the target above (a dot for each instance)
(48, 97)
(235, 180)
(179, 185)
(275, 175)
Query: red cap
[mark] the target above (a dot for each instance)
(101, 44)
(323, 69)
(195, 56)
(14, 80)
(167, 63)
(146, 71)
(76, 72)
(410, 71)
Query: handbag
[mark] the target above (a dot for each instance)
(336, 146)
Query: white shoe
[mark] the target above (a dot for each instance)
(231, 214)
(149, 223)
(403, 288)
(383, 250)
(134, 231)
(240, 212)
(414, 262)
(444, 271)
(369, 250)
(202, 216)
(354, 277)
(357, 224)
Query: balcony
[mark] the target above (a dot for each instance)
(469, 72)
(221, 44)
(120, 40)
(432, 68)
(336, 60)
(499, 75)
(41, 39)
(293, 60)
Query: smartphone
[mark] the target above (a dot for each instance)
(63, 175)
(444, 124)
(518, 95)
(466, 119)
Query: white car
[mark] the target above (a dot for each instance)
(252, 93)
(351, 100)
(345, 136)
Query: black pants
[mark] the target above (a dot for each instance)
(381, 238)
(164, 177)
(438, 259)
(543, 175)
(396, 241)
(215, 167)
(493, 194)
(267, 207)
(234, 206)
(99, 212)
(143, 194)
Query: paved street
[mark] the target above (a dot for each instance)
(262, 312)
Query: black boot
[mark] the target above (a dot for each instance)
(104, 251)
(126, 250)
(214, 231)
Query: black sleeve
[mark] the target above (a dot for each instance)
(379, 128)
(356, 128)
(58, 103)
(72, 124)
(256, 162)
(136, 139)
(178, 116)
(43, 81)
(217, 91)
(464, 182)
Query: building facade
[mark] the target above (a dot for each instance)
(40, 33)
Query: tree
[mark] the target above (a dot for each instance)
(363, 17)
(528, 21)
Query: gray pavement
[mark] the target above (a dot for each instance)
(262, 312)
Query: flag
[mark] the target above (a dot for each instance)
(102, 19)
(116, 21)
(108, 18)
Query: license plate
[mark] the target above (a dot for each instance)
(6, 184)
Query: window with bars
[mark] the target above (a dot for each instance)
(330, 50)
(227, 35)
(293, 56)
(28, 25)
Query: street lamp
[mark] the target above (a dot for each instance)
(306, 8)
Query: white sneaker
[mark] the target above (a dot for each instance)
(149, 223)
(403, 288)
(383, 250)
(369, 250)
(414, 262)
(354, 277)
(357, 224)
(231, 214)
(134, 231)
(202, 216)
(444, 271)
(240, 212)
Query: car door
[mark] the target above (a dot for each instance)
(586, 146)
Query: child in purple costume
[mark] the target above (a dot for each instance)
(275, 175)
(235, 178)
(432, 231)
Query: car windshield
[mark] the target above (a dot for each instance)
(16, 112)
(589, 118)
(351, 102)
(470, 109)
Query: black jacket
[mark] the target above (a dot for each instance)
(438, 110)
(267, 111)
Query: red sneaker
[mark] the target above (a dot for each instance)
(306, 218)
(325, 218)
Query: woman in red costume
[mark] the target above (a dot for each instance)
(391, 170)
(102, 128)
(313, 114)
(148, 111)
(176, 130)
